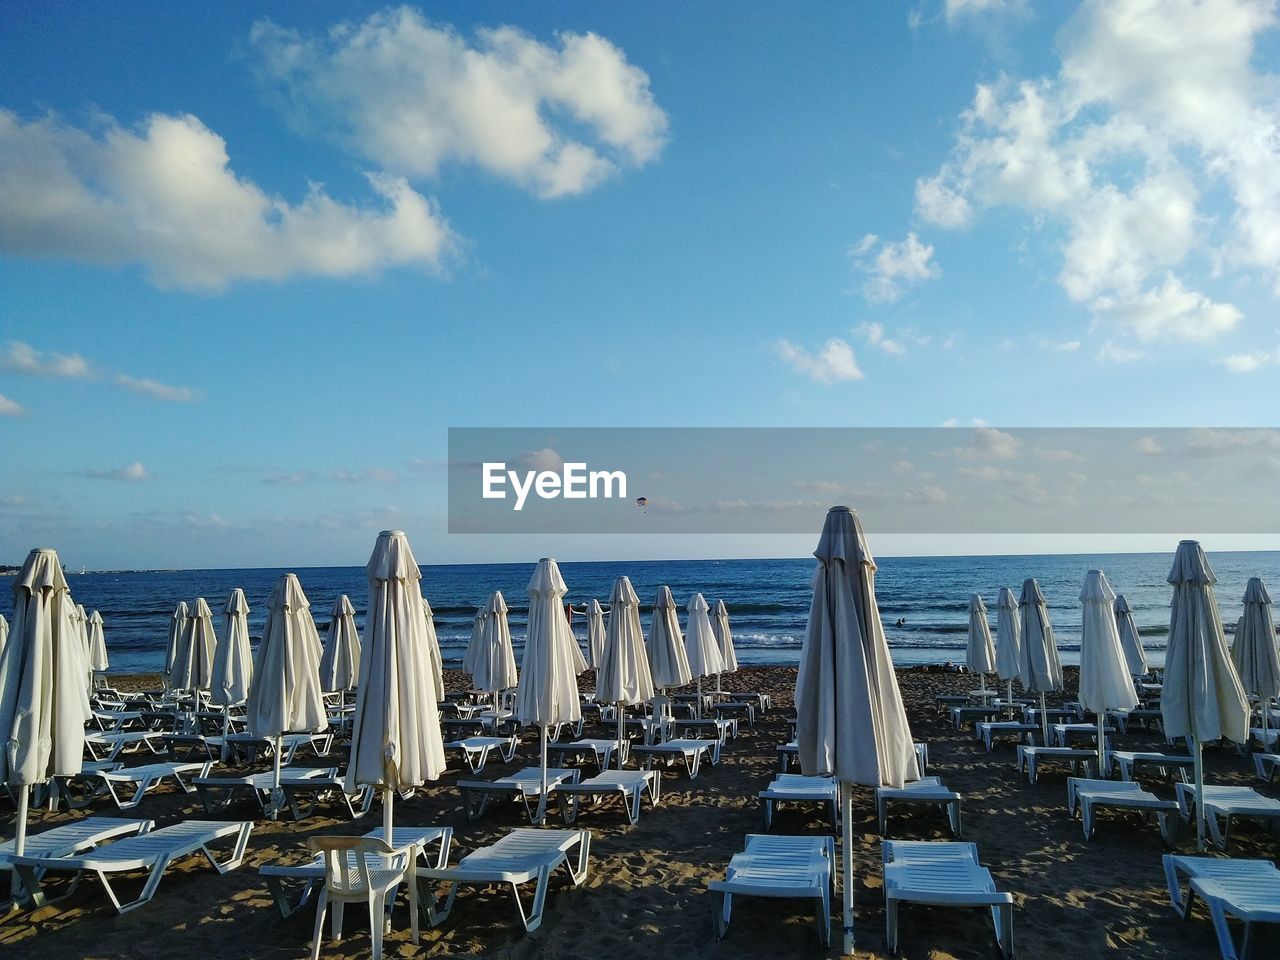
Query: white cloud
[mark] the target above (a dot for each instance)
(19, 357)
(1055, 346)
(544, 459)
(834, 362)
(955, 9)
(411, 96)
(134, 471)
(164, 196)
(1153, 144)
(1116, 353)
(11, 408)
(1249, 362)
(901, 466)
(873, 333)
(1148, 446)
(156, 390)
(988, 443)
(1222, 443)
(891, 266)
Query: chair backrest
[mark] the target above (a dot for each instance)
(346, 864)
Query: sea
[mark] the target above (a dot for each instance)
(923, 600)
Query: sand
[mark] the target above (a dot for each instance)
(646, 893)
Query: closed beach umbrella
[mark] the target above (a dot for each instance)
(43, 702)
(700, 643)
(579, 660)
(469, 658)
(1038, 666)
(177, 627)
(595, 633)
(284, 695)
(433, 651)
(668, 661)
(980, 655)
(624, 678)
(1105, 680)
(395, 738)
(1202, 697)
(193, 662)
(1254, 652)
(340, 662)
(1008, 640)
(98, 661)
(547, 694)
(724, 638)
(494, 667)
(850, 723)
(1130, 641)
(4, 633)
(232, 658)
(82, 626)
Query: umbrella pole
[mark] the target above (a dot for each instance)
(388, 803)
(1102, 770)
(982, 685)
(542, 800)
(1044, 719)
(846, 886)
(19, 840)
(698, 711)
(718, 690)
(1199, 771)
(621, 733)
(275, 779)
(1008, 690)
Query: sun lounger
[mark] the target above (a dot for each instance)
(72, 838)
(475, 750)
(524, 785)
(943, 702)
(1092, 795)
(600, 751)
(311, 874)
(951, 878)
(629, 786)
(1030, 758)
(762, 701)
(741, 709)
(793, 788)
(149, 852)
(191, 746)
(1247, 889)
(303, 788)
(723, 729)
(245, 747)
(778, 867)
(1225, 803)
(143, 779)
(1063, 734)
(1130, 761)
(1266, 764)
(988, 730)
(109, 746)
(523, 855)
(971, 714)
(930, 790)
(690, 751)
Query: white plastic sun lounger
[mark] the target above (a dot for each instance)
(1225, 803)
(778, 867)
(1130, 761)
(303, 788)
(1030, 758)
(1247, 889)
(523, 855)
(1267, 764)
(629, 786)
(1091, 795)
(149, 852)
(600, 751)
(145, 778)
(794, 788)
(109, 746)
(311, 874)
(688, 750)
(475, 750)
(947, 878)
(73, 838)
(929, 790)
(988, 730)
(523, 785)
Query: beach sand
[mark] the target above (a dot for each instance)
(646, 893)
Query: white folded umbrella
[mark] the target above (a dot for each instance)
(548, 690)
(1008, 640)
(700, 643)
(850, 721)
(980, 654)
(1254, 653)
(579, 659)
(395, 739)
(284, 694)
(177, 627)
(43, 702)
(624, 678)
(98, 662)
(724, 638)
(232, 658)
(1105, 680)
(469, 658)
(340, 662)
(1201, 697)
(494, 663)
(1130, 641)
(433, 651)
(81, 617)
(1039, 668)
(668, 661)
(193, 662)
(4, 633)
(595, 633)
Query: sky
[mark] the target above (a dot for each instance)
(257, 259)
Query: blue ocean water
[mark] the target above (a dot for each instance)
(768, 600)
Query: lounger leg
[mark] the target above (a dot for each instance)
(633, 808)
(1002, 915)
(533, 919)
(882, 815)
(1225, 943)
(953, 813)
(1086, 817)
(767, 811)
(891, 925)
(721, 907)
(1181, 907)
(436, 912)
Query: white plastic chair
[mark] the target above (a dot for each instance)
(361, 870)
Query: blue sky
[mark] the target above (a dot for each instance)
(256, 261)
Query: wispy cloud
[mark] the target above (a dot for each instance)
(874, 334)
(1249, 362)
(19, 357)
(833, 363)
(892, 266)
(133, 472)
(1055, 346)
(156, 390)
(11, 408)
(988, 443)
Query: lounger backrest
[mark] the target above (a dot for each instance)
(346, 862)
